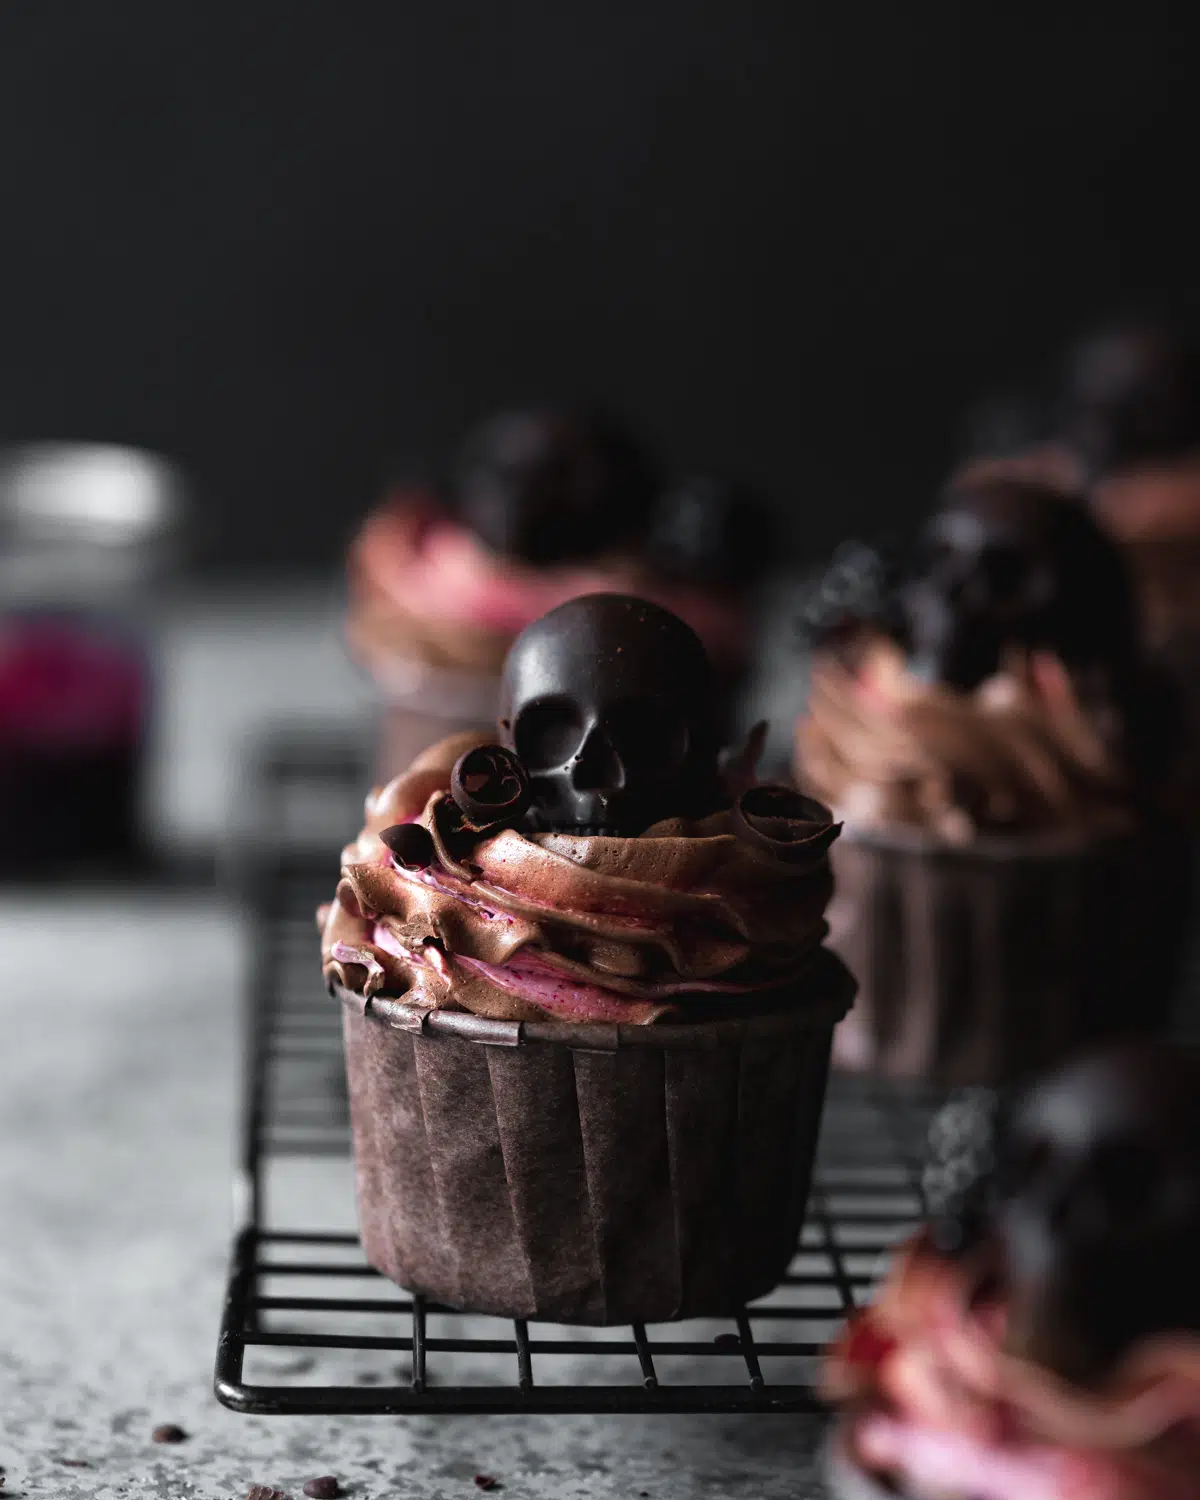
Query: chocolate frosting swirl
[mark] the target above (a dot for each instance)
(1018, 754)
(521, 927)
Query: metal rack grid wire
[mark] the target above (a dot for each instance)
(306, 1296)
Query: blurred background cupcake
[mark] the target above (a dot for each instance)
(1117, 420)
(1129, 413)
(538, 506)
(986, 727)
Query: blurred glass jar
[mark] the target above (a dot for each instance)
(85, 533)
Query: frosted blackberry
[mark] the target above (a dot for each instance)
(957, 1179)
(857, 588)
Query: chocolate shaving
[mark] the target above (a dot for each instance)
(490, 788)
(324, 1488)
(169, 1432)
(738, 764)
(412, 846)
(452, 837)
(791, 827)
(488, 1482)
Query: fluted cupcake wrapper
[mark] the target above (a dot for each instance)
(588, 1174)
(990, 961)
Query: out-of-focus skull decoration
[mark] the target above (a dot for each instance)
(1095, 1211)
(857, 589)
(1007, 562)
(1131, 394)
(549, 486)
(608, 703)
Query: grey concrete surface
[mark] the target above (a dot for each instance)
(117, 1114)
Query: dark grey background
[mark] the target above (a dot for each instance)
(295, 241)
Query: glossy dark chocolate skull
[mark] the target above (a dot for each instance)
(1097, 1209)
(1007, 562)
(608, 702)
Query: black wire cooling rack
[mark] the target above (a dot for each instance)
(309, 1327)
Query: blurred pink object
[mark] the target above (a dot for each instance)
(432, 570)
(64, 686)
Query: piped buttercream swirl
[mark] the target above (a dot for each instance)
(525, 927)
(1018, 754)
(423, 587)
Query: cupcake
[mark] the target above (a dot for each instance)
(539, 506)
(588, 1009)
(989, 738)
(1130, 412)
(1040, 1339)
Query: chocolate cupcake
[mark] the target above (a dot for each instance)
(588, 1010)
(1004, 884)
(1046, 1343)
(1130, 411)
(538, 507)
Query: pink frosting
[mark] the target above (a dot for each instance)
(432, 566)
(935, 1461)
(536, 981)
(532, 979)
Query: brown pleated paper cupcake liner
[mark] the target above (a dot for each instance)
(588, 1173)
(987, 962)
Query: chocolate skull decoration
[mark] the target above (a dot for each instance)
(608, 702)
(1008, 562)
(551, 485)
(1096, 1209)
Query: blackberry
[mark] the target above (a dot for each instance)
(957, 1178)
(858, 587)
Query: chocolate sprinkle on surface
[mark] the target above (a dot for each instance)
(488, 1482)
(265, 1492)
(74, 1463)
(324, 1488)
(168, 1432)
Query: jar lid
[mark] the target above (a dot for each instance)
(91, 519)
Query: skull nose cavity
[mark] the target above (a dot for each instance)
(597, 767)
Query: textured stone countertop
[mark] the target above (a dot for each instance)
(117, 1116)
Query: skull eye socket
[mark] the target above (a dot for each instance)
(1003, 571)
(648, 738)
(548, 733)
(1122, 1178)
(1024, 1163)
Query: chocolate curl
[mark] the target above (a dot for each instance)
(490, 787)
(790, 827)
(411, 844)
(738, 766)
(452, 837)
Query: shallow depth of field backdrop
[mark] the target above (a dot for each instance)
(293, 242)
